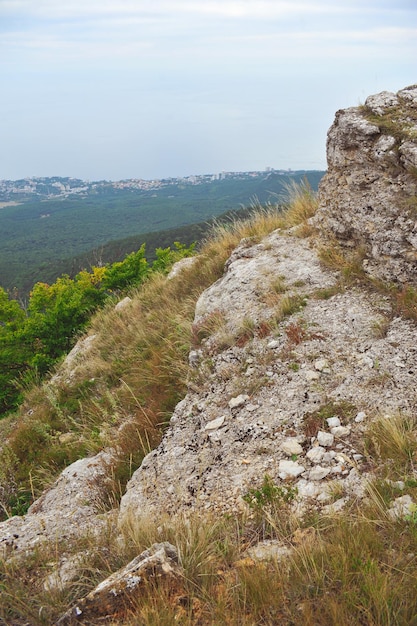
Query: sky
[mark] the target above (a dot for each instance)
(116, 89)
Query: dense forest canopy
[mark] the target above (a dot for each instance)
(40, 239)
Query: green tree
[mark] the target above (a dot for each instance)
(127, 273)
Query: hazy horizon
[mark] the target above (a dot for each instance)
(267, 170)
(152, 89)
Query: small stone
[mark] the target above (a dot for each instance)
(288, 469)
(291, 446)
(315, 454)
(335, 507)
(272, 550)
(322, 365)
(360, 417)
(402, 507)
(311, 375)
(234, 403)
(318, 472)
(323, 496)
(123, 304)
(399, 484)
(325, 439)
(340, 431)
(306, 489)
(367, 362)
(273, 344)
(215, 424)
(332, 422)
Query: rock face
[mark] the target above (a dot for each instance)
(290, 401)
(71, 506)
(368, 196)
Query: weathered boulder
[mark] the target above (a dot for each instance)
(368, 196)
(72, 506)
(111, 597)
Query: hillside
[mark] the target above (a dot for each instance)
(240, 437)
(40, 238)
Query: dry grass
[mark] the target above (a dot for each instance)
(393, 439)
(358, 567)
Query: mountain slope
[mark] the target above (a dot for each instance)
(270, 388)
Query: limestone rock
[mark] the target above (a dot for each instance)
(73, 359)
(269, 550)
(202, 466)
(111, 597)
(291, 446)
(402, 507)
(181, 265)
(367, 195)
(72, 505)
(122, 304)
(289, 469)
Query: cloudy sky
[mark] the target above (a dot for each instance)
(112, 89)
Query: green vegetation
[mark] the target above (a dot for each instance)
(40, 240)
(32, 340)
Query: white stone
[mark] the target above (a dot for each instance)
(180, 265)
(325, 439)
(123, 304)
(311, 375)
(288, 469)
(315, 454)
(306, 489)
(272, 550)
(366, 361)
(332, 422)
(401, 507)
(360, 417)
(340, 431)
(291, 446)
(234, 403)
(318, 472)
(329, 456)
(273, 344)
(335, 507)
(322, 365)
(215, 424)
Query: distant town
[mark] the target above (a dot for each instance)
(55, 187)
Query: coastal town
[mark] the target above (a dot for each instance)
(55, 187)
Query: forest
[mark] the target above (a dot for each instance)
(40, 240)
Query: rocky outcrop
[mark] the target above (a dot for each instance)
(72, 506)
(113, 597)
(368, 196)
(292, 402)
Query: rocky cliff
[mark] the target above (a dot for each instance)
(368, 197)
(291, 361)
